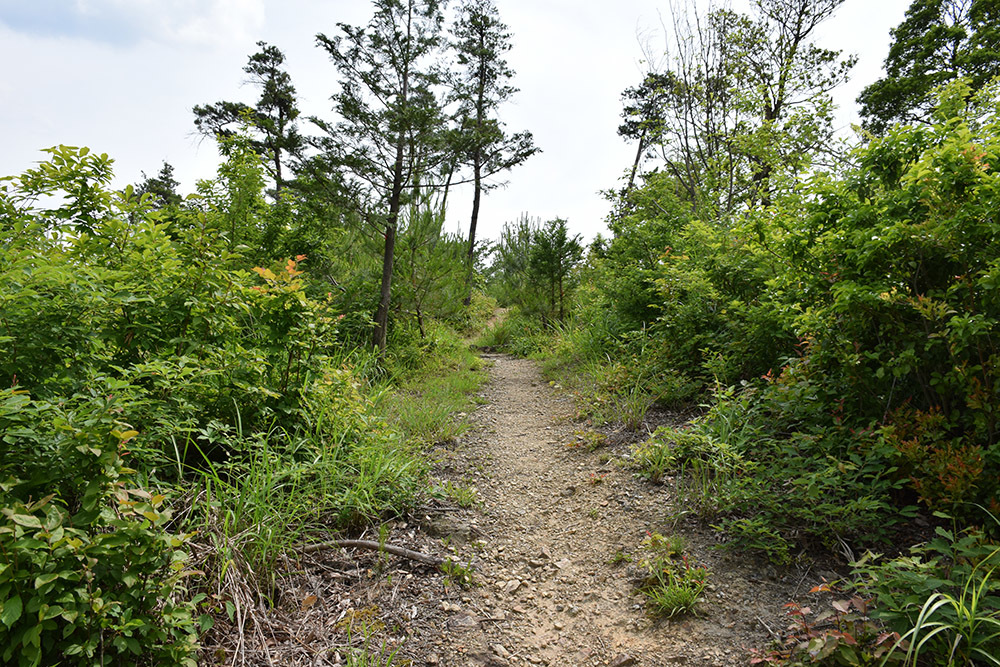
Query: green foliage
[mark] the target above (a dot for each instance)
(430, 280)
(673, 584)
(517, 334)
(899, 272)
(231, 379)
(937, 41)
(461, 495)
(164, 313)
(550, 263)
(533, 267)
(941, 599)
(432, 387)
(847, 330)
(936, 606)
(89, 570)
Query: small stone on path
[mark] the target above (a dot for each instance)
(622, 660)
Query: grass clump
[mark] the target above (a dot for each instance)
(674, 583)
(462, 495)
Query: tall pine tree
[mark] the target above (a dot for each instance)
(390, 119)
(273, 120)
(480, 86)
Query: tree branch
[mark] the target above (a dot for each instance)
(370, 545)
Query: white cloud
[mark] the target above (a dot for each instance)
(126, 23)
(207, 22)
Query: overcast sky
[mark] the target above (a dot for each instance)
(121, 77)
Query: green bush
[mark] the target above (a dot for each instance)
(89, 570)
(951, 581)
(886, 277)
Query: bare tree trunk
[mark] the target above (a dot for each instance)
(635, 164)
(382, 312)
(471, 256)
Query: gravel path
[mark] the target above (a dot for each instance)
(554, 514)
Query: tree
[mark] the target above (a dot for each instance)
(162, 187)
(643, 117)
(743, 98)
(938, 41)
(235, 198)
(553, 256)
(511, 257)
(390, 118)
(689, 114)
(480, 87)
(273, 118)
(786, 81)
(429, 264)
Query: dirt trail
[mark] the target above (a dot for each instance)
(553, 516)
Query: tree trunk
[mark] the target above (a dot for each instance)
(382, 312)
(635, 164)
(477, 165)
(476, 197)
(447, 188)
(279, 180)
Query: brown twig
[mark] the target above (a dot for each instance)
(375, 546)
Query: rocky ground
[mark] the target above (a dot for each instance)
(547, 544)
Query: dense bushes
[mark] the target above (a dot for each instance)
(845, 335)
(162, 374)
(90, 569)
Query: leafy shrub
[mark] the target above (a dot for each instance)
(89, 571)
(897, 268)
(844, 634)
(942, 599)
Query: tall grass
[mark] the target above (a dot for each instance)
(356, 455)
(430, 404)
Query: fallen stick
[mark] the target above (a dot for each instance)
(376, 546)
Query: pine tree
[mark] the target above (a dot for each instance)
(386, 140)
(481, 86)
(273, 119)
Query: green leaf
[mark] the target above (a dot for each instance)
(51, 612)
(947, 534)
(27, 520)
(205, 623)
(43, 579)
(11, 611)
(30, 543)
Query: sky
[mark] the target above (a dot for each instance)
(121, 77)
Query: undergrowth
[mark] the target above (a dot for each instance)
(180, 417)
(674, 583)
